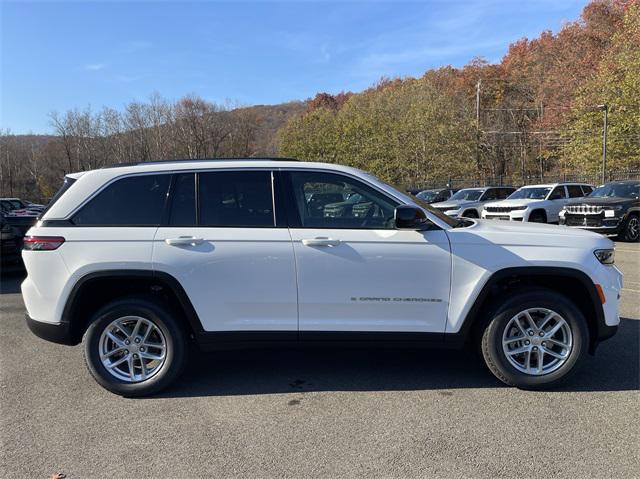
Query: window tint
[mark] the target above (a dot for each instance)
(326, 200)
(557, 193)
(236, 198)
(132, 201)
(491, 194)
(587, 189)
(574, 191)
(183, 205)
(505, 192)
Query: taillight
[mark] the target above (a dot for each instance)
(42, 243)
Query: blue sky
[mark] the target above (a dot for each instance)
(61, 55)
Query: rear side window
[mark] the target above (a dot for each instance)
(131, 201)
(557, 193)
(236, 198)
(587, 189)
(574, 191)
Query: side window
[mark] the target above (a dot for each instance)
(236, 198)
(505, 192)
(131, 201)
(587, 189)
(327, 200)
(574, 191)
(183, 202)
(557, 193)
(491, 194)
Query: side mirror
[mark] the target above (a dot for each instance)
(409, 217)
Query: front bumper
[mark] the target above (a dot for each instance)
(515, 215)
(54, 332)
(596, 223)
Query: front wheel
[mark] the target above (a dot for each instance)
(134, 347)
(631, 229)
(535, 340)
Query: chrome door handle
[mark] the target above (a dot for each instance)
(320, 242)
(184, 241)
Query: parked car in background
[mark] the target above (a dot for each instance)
(436, 195)
(535, 203)
(20, 206)
(10, 244)
(612, 209)
(469, 202)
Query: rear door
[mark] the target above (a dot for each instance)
(222, 242)
(557, 200)
(355, 271)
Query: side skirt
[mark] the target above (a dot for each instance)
(226, 340)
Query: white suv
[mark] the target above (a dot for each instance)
(536, 203)
(142, 262)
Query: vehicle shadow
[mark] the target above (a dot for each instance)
(615, 367)
(10, 279)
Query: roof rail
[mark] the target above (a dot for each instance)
(190, 160)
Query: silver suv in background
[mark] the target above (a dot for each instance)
(469, 202)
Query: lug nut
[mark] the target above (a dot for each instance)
(138, 339)
(126, 351)
(544, 345)
(541, 333)
(135, 356)
(126, 341)
(530, 333)
(527, 342)
(142, 350)
(535, 349)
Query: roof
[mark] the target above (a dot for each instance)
(551, 185)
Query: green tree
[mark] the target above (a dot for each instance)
(617, 84)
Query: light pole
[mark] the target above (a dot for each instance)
(605, 108)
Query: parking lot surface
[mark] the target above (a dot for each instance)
(320, 413)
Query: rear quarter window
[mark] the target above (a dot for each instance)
(130, 201)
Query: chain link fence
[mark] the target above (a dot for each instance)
(513, 180)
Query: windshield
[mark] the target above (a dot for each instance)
(468, 194)
(620, 190)
(427, 195)
(530, 193)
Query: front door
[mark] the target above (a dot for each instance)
(355, 271)
(223, 246)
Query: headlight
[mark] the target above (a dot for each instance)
(518, 208)
(605, 256)
(452, 212)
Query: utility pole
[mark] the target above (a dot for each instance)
(478, 85)
(605, 108)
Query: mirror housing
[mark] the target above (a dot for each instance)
(410, 217)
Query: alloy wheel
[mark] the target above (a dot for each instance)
(132, 349)
(537, 341)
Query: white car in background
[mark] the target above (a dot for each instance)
(469, 202)
(536, 203)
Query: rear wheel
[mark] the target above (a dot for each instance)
(631, 229)
(470, 214)
(535, 340)
(134, 347)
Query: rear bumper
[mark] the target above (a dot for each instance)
(54, 332)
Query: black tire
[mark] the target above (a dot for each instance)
(538, 217)
(470, 214)
(631, 229)
(163, 318)
(491, 339)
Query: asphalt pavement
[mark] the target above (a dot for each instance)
(320, 413)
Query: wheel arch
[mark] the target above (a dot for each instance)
(96, 289)
(541, 211)
(573, 283)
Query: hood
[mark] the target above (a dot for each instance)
(452, 204)
(605, 201)
(511, 233)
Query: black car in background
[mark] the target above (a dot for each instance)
(436, 195)
(612, 209)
